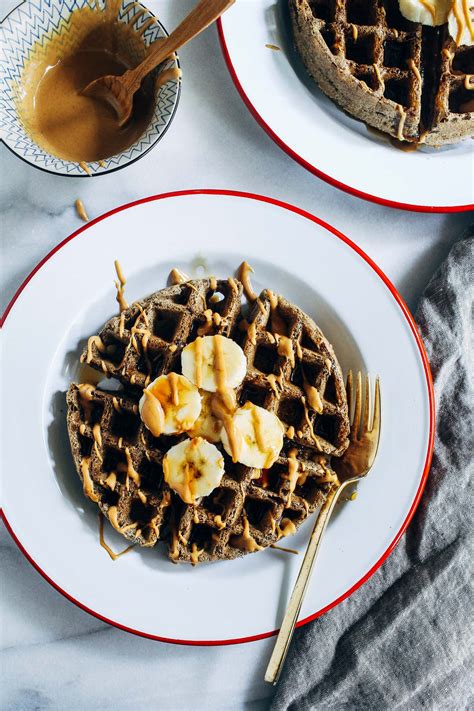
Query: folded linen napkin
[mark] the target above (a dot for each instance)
(404, 640)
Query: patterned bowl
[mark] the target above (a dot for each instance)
(37, 20)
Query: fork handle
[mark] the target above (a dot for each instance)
(285, 635)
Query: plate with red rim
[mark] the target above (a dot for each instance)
(310, 128)
(70, 294)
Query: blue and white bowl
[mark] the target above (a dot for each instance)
(37, 20)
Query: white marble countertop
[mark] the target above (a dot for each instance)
(52, 654)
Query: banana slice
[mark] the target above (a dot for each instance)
(171, 404)
(193, 468)
(214, 363)
(259, 437)
(428, 12)
(206, 425)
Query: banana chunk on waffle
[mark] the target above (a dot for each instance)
(409, 80)
(278, 387)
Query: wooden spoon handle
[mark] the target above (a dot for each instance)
(204, 14)
(285, 635)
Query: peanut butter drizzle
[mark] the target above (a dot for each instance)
(173, 348)
(313, 397)
(182, 539)
(96, 433)
(251, 329)
(153, 414)
(195, 553)
(233, 285)
(401, 123)
(278, 326)
(219, 522)
(285, 349)
(116, 404)
(244, 276)
(290, 432)
(273, 380)
(87, 484)
(86, 393)
(111, 480)
(430, 7)
(82, 428)
(245, 542)
(213, 283)
(131, 473)
(299, 350)
(121, 324)
(414, 69)
(468, 84)
(81, 210)
(223, 403)
(198, 361)
(378, 75)
(274, 47)
(176, 276)
(259, 438)
(105, 545)
(292, 474)
(171, 74)
(207, 326)
(120, 286)
(462, 20)
(308, 422)
(286, 528)
(355, 32)
(142, 496)
(98, 343)
(174, 552)
(83, 165)
(195, 515)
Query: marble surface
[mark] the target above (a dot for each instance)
(53, 655)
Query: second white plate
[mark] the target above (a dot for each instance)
(278, 91)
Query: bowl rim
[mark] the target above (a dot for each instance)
(108, 171)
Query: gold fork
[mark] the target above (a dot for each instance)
(355, 464)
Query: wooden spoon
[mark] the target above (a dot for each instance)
(118, 91)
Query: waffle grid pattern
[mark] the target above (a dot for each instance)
(251, 509)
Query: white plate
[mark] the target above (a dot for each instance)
(71, 295)
(315, 132)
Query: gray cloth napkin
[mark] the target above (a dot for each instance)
(404, 639)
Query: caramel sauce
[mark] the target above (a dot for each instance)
(81, 210)
(244, 276)
(120, 286)
(105, 545)
(50, 104)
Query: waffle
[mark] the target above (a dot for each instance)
(400, 77)
(120, 462)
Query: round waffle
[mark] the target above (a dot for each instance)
(292, 371)
(405, 79)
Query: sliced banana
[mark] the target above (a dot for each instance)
(214, 363)
(428, 12)
(259, 436)
(207, 425)
(171, 404)
(193, 468)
